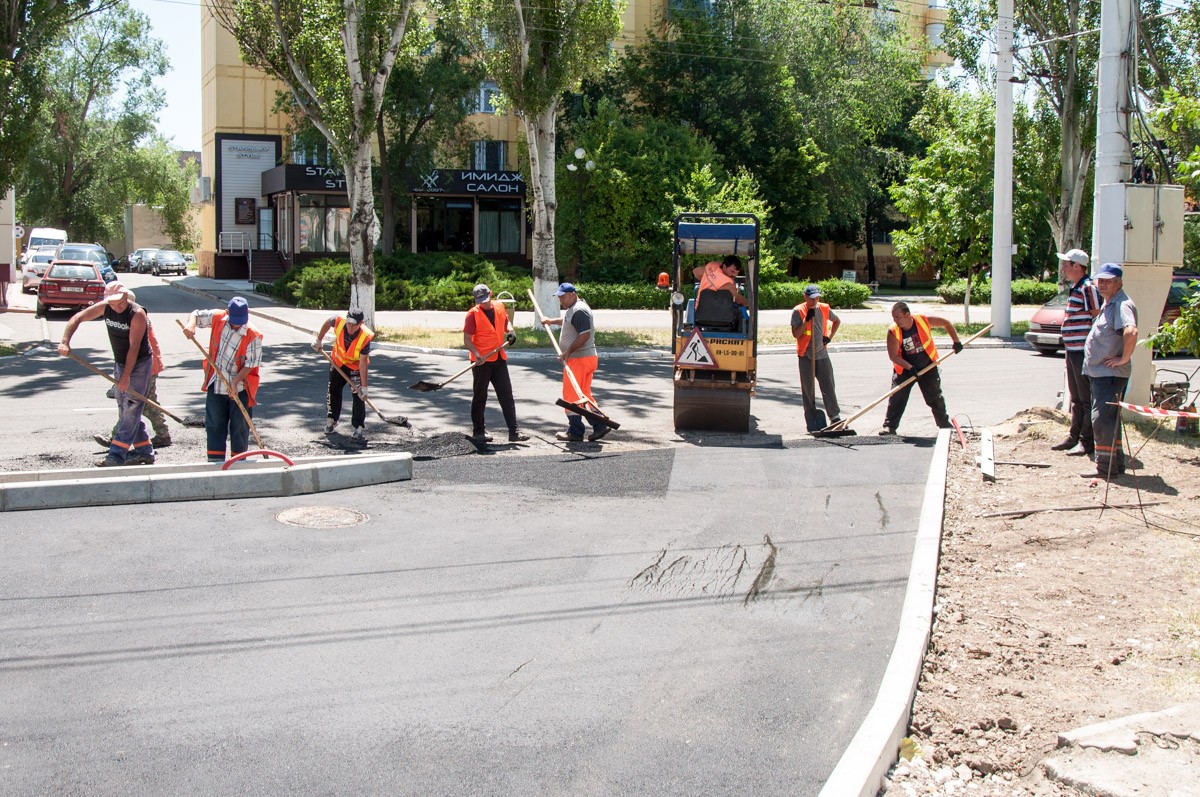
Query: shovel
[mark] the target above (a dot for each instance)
(399, 420)
(228, 388)
(843, 424)
(594, 415)
(429, 387)
(134, 393)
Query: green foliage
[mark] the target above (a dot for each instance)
(615, 296)
(1024, 291)
(838, 294)
(1183, 334)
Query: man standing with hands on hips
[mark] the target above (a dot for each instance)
(578, 343)
(236, 348)
(1106, 361)
(1083, 305)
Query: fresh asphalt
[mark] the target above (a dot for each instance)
(685, 615)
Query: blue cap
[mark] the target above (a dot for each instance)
(812, 290)
(238, 311)
(565, 288)
(1110, 271)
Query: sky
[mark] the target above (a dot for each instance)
(177, 25)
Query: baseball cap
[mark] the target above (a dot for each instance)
(1110, 271)
(482, 293)
(115, 292)
(564, 288)
(238, 310)
(1075, 256)
(812, 290)
(356, 314)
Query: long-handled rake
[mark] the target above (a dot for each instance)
(399, 420)
(135, 394)
(594, 414)
(429, 387)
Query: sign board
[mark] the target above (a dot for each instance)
(849, 275)
(243, 210)
(18, 231)
(469, 181)
(696, 353)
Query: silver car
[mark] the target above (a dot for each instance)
(33, 271)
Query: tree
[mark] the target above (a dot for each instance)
(27, 29)
(947, 194)
(335, 57)
(536, 50)
(425, 106)
(94, 150)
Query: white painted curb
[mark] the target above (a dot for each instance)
(860, 771)
(158, 484)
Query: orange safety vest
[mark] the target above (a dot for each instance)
(487, 336)
(214, 341)
(714, 278)
(923, 335)
(348, 357)
(803, 340)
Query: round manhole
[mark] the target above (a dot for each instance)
(321, 517)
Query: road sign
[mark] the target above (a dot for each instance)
(696, 353)
(18, 231)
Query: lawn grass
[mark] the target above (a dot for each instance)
(651, 338)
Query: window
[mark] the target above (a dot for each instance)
(487, 97)
(939, 3)
(690, 7)
(309, 152)
(499, 226)
(489, 156)
(323, 224)
(933, 33)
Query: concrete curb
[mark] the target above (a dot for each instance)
(874, 747)
(158, 484)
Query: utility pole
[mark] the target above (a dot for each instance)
(1002, 187)
(1114, 159)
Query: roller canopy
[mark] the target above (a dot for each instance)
(721, 239)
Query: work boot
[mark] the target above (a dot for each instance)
(515, 436)
(358, 433)
(1065, 445)
(1075, 451)
(102, 440)
(600, 431)
(160, 441)
(886, 431)
(109, 462)
(569, 438)
(480, 436)
(330, 425)
(139, 459)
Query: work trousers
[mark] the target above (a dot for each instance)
(223, 419)
(131, 433)
(333, 404)
(1080, 388)
(494, 373)
(1106, 423)
(931, 390)
(584, 369)
(825, 380)
(151, 413)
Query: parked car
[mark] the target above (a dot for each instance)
(122, 264)
(1045, 328)
(168, 261)
(94, 253)
(70, 284)
(33, 270)
(140, 259)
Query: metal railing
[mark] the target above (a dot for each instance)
(236, 241)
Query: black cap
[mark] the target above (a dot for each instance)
(355, 314)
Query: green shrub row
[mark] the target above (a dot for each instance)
(1024, 291)
(444, 282)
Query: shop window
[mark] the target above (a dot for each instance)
(445, 225)
(499, 226)
(323, 224)
(489, 156)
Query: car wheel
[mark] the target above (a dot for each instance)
(42, 309)
(1046, 351)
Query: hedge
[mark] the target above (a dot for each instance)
(1024, 291)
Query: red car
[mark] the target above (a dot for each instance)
(70, 284)
(1045, 328)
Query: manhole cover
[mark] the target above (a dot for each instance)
(321, 517)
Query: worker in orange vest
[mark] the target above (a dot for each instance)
(813, 326)
(352, 354)
(714, 276)
(910, 348)
(486, 329)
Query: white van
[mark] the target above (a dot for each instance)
(42, 236)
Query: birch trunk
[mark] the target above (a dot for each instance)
(362, 231)
(540, 134)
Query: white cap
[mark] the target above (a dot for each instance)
(1075, 256)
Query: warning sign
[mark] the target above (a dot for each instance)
(696, 353)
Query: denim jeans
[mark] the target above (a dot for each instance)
(222, 419)
(131, 433)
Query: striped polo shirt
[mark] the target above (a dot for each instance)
(1078, 318)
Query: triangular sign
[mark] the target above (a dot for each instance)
(695, 352)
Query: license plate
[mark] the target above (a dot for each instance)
(69, 289)
(1048, 339)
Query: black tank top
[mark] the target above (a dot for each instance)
(118, 332)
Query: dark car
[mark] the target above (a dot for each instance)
(70, 284)
(1045, 328)
(94, 253)
(122, 264)
(167, 261)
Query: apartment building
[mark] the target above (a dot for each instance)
(266, 205)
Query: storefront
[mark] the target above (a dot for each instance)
(310, 213)
(468, 210)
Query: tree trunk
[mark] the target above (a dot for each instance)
(539, 132)
(870, 246)
(967, 298)
(362, 231)
(387, 236)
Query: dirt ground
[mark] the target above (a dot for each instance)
(1056, 619)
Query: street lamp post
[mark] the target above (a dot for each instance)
(580, 171)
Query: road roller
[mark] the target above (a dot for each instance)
(715, 331)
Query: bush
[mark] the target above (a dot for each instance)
(1024, 291)
(838, 294)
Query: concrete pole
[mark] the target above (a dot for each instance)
(1002, 190)
(1114, 160)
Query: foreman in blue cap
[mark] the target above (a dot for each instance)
(1110, 271)
(238, 311)
(564, 289)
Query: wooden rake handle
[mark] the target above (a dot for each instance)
(133, 393)
(846, 422)
(228, 387)
(346, 376)
(470, 365)
(570, 374)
